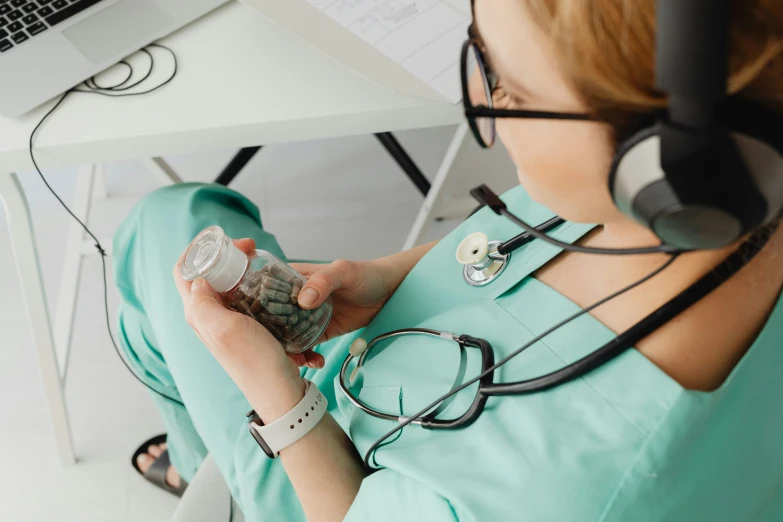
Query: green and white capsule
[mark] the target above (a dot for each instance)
(275, 284)
(280, 308)
(277, 320)
(276, 296)
(259, 304)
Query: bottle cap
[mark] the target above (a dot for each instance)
(214, 257)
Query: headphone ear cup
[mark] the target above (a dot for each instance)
(644, 192)
(620, 177)
(734, 186)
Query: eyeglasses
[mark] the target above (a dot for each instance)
(478, 98)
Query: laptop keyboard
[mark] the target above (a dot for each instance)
(21, 20)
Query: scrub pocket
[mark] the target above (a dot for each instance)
(365, 429)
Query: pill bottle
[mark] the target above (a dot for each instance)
(260, 286)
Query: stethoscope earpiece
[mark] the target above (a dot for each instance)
(357, 348)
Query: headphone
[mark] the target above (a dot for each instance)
(709, 169)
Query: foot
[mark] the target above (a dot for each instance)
(145, 460)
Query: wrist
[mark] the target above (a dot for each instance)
(292, 426)
(273, 399)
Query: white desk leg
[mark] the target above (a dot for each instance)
(99, 190)
(72, 262)
(465, 166)
(23, 243)
(433, 201)
(162, 170)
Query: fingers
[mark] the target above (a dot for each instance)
(182, 286)
(306, 269)
(323, 282)
(246, 245)
(314, 360)
(203, 304)
(205, 313)
(308, 358)
(204, 293)
(298, 359)
(155, 451)
(144, 462)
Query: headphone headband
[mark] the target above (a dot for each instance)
(691, 63)
(703, 174)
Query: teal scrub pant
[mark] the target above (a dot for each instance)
(164, 351)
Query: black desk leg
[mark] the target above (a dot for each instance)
(388, 140)
(236, 164)
(404, 161)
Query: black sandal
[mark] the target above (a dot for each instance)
(156, 474)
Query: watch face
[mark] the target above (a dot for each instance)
(261, 442)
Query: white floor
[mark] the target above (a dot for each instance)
(324, 200)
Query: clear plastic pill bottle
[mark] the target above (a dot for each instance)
(260, 286)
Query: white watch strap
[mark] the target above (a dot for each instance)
(295, 424)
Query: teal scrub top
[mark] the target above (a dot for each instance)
(623, 443)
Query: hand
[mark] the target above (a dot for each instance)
(251, 355)
(358, 290)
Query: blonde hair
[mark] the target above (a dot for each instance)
(607, 50)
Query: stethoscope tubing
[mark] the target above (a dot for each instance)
(361, 359)
(627, 339)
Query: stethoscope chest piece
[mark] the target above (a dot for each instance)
(481, 260)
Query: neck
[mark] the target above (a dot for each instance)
(626, 233)
(701, 346)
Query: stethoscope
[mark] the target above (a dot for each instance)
(483, 262)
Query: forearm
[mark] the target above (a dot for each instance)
(323, 466)
(325, 470)
(397, 266)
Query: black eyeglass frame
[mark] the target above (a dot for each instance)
(472, 112)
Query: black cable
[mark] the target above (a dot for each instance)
(472, 212)
(93, 88)
(410, 419)
(92, 84)
(122, 87)
(98, 246)
(651, 322)
(483, 194)
(568, 247)
(107, 92)
(525, 237)
(660, 316)
(96, 86)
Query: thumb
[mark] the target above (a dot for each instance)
(306, 269)
(339, 274)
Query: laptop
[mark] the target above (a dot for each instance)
(49, 46)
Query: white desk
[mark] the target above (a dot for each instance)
(242, 81)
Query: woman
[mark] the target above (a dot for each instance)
(687, 426)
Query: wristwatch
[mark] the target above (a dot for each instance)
(292, 426)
